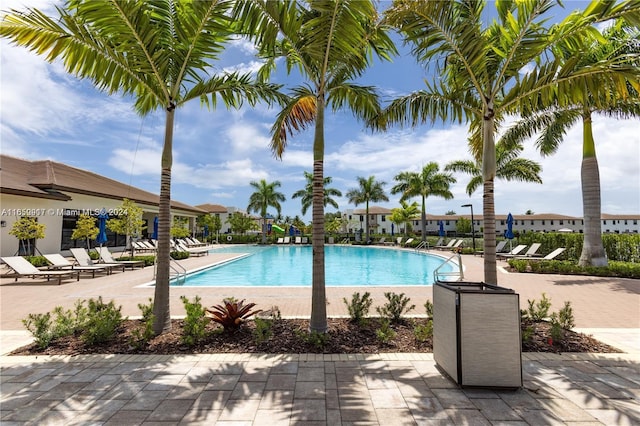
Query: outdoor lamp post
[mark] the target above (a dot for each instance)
(473, 231)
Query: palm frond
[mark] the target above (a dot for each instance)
(296, 115)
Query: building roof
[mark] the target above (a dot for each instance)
(52, 180)
(212, 208)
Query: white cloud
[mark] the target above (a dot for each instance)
(244, 68)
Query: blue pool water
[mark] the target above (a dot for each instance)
(344, 266)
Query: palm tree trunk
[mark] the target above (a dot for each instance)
(593, 253)
(366, 223)
(161, 310)
(423, 219)
(318, 322)
(488, 203)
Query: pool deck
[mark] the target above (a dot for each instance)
(288, 389)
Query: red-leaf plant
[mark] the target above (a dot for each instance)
(232, 313)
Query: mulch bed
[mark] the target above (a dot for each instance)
(292, 336)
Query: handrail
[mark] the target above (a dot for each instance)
(344, 241)
(179, 273)
(423, 244)
(459, 274)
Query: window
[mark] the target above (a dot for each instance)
(625, 222)
(635, 221)
(361, 218)
(543, 224)
(384, 219)
(446, 222)
(502, 222)
(604, 222)
(551, 222)
(561, 222)
(532, 223)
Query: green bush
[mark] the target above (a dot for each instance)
(428, 307)
(566, 267)
(540, 310)
(396, 306)
(195, 323)
(103, 320)
(37, 261)
(263, 331)
(385, 333)
(565, 316)
(423, 332)
(359, 306)
(619, 247)
(179, 255)
(140, 337)
(40, 327)
(94, 255)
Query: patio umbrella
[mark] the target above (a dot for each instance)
(206, 230)
(441, 228)
(392, 229)
(102, 227)
(509, 232)
(154, 236)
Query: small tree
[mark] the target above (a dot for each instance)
(27, 229)
(129, 223)
(463, 225)
(240, 223)
(179, 228)
(85, 228)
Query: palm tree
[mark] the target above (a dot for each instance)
(331, 43)
(480, 71)
(428, 182)
(306, 194)
(508, 167)
(404, 214)
(369, 190)
(553, 123)
(149, 51)
(265, 196)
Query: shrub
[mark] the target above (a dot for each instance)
(527, 334)
(231, 314)
(316, 339)
(262, 332)
(423, 332)
(195, 323)
(539, 311)
(396, 306)
(565, 316)
(102, 322)
(557, 333)
(149, 260)
(179, 255)
(385, 333)
(428, 307)
(39, 325)
(139, 337)
(37, 261)
(359, 306)
(94, 255)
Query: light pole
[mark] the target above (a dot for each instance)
(473, 230)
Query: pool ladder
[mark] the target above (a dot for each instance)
(179, 272)
(447, 276)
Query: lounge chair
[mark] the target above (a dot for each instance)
(83, 259)
(287, 240)
(280, 240)
(105, 255)
(550, 256)
(60, 262)
(22, 268)
(409, 241)
(447, 246)
(298, 240)
(516, 250)
(531, 252)
(381, 241)
(142, 247)
(195, 251)
(499, 247)
(305, 240)
(399, 241)
(439, 242)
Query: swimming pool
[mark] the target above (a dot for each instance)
(280, 266)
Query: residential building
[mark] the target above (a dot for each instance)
(56, 194)
(545, 222)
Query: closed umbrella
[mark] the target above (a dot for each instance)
(154, 236)
(392, 229)
(508, 234)
(102, 227)
(441, 228)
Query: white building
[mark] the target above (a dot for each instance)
(546, 222)
(56, 194)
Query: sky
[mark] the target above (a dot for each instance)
(46, 113)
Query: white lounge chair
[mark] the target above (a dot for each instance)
(409, 241)
(447, 246)
(287, 240)
(83, 259)
(531, 252)
(550, 256)
(298, 240)
(22, 268)
(517, 249)
(195, 251)
(60, 262)
(280, 240)
(105, 255)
